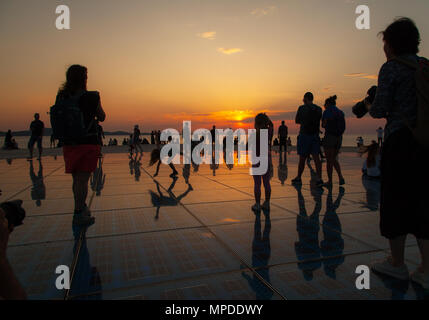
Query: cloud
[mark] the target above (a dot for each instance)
(229, 51)
(361, 75)
(261, 12)
(210, 35)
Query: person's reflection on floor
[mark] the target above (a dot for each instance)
(372, 187)
(38, 189)
(228, 154)
(307, 247)
(195, 166)
(332, 245)
(160, 200)
(86, 279)
(186, 172)
(282, 169)
(135, 167)
(98, 178)
(261, 253)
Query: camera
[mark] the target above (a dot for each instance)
(15, 214)
(360, 108)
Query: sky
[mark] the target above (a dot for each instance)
(157, 63)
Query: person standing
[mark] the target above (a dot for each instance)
(403, 206)
(82, 152)
(37, 128)
(263, 122)
(308, 117)
(283, 135)
(136, 140)
(334, 123)
(380, 134)
(8, 143)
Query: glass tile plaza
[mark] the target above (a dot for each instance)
(163, 238)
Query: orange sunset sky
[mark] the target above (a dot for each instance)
(157, 63)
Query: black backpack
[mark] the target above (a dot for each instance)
(67, 119)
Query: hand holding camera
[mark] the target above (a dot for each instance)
(361, 108)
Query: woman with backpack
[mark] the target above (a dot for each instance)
(81, 147)
(403, 207)
(334, 124)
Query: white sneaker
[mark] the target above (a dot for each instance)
(386, 267)
(420, 278)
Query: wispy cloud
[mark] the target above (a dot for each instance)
(361, 75)
(261, 12)
(229, 51)
(210, 35)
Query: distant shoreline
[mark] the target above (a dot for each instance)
(23, 153)
(48, 132)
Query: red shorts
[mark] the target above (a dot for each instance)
(81, 158)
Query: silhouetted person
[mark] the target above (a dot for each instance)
(152, 137)
(403, 206)
(37, 128)
(9, 143)
(38, 189)
(136, 140)
(213, 134)
(283, 135)
(81, 154)
(263, 122)
(334, 123)
(155, 157)
(308, 117)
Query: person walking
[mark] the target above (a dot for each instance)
(136, 140)
(81, 152)
(37, 128)
(333, 121)
(308, 117)
(283, 135)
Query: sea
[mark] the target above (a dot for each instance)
(349, 140)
